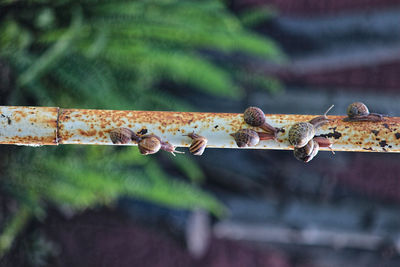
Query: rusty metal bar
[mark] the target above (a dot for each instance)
(29, 126)
(53, 126)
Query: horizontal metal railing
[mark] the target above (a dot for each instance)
(36, 126)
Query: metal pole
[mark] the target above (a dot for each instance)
(35, 126)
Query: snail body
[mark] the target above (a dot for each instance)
(198, 145)
(254, 116)
(249, 138)
(151, 144)
(358, 111)
(302, 132)
(122, 136)
(310, 150)
(307, 152)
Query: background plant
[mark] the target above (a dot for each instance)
(117, 55)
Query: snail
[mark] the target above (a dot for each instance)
(302, 132)
(255, 117)
(123, 136)
(310, 150)
(151, 144)
(198, 145)
(248, 137)
(307, 152)
(358, 111)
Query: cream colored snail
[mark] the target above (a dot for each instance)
(302, 132)
(248, 137)
(123, 136)
(307, 152)
(198, 145)
(151, 144)
(254, 116)
(358, 111)
(310, 150)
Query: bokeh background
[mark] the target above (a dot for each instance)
(110, 206)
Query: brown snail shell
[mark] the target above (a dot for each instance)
(301, 133)
(149, 145)
(358, 111)
(246, 138)
(307, 152)
(254, 116)
(121, 135)
(198, 145)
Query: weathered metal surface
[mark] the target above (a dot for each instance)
(51, 126)
(33, 126)
(78, 126)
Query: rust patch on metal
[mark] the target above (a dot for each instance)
(28, 125)
(335, 134)
(375, 132)
(383, 143)
(88, 133)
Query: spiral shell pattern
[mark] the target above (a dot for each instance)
(254, 116)
(246, 138)
(357, 109)
(149, 145)
(121, 135)
(301, 133)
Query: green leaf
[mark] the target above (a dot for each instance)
(50, 57)
(254, 16)
(189, 168)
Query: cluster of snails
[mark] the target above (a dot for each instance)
(148, 144)
(151, 144)
(301, 135)
(254, 116)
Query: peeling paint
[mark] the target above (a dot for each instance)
(50, 126)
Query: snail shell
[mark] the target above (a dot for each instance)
(254, 116)
(301, 133)
(198, 145)
(357, 109)
(307, 152)
(246, 138)
(121, 135)
(149, 144)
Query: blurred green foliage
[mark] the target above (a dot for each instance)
(114, 55)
